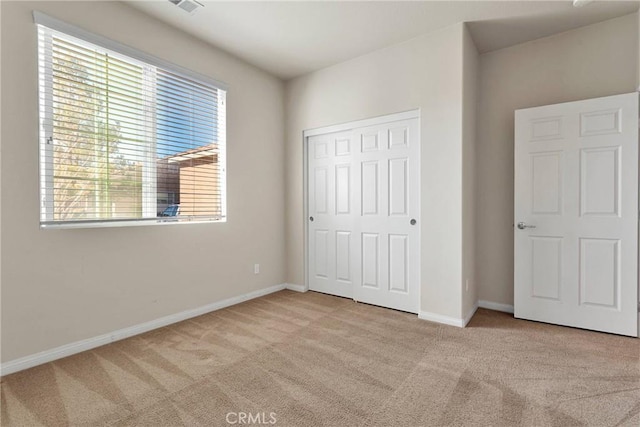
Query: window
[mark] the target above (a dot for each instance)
(124, 139)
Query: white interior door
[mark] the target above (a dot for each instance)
(576, 214)
(332, 204)
(363, 206)
(388, 255)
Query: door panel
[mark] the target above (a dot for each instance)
(320, 193)
(398, 186)
(546, 177)
(343, 189)
(576, 182)
(390, 200)
(370, 261)
(546, 271)
(343, 256)
(599, 272)
(331, 204)
(343, 146)
(369, 188)
(321, 254)
(600, 181)
(363, 192)
(369, 141)
(398, 263)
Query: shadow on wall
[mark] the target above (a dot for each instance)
(492, 32)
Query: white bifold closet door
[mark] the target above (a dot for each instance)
(363, 207)
(576, 214)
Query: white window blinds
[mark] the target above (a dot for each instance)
(124, 140)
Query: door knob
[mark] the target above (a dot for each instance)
(412, 222)
(522, 226)
(311, 218)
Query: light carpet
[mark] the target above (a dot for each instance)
(291, 359)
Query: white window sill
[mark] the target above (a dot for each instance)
(127, 223)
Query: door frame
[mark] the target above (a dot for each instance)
(378, 120)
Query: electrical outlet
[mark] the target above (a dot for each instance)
(256, 268)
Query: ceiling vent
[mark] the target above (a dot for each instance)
(580, 3)
(187, 5)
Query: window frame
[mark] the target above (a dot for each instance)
(45, 107)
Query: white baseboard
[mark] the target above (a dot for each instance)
(439, 318)
(490, 305)
(89, 343)
(447, 320)
(294, 287)
(469, 315)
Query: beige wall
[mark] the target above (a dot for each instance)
(592, 61)
(61, 286)
(425, 73)
(470, 99)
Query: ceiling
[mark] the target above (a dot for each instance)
(291, 38)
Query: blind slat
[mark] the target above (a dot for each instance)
(122, 138)
(173, 94)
